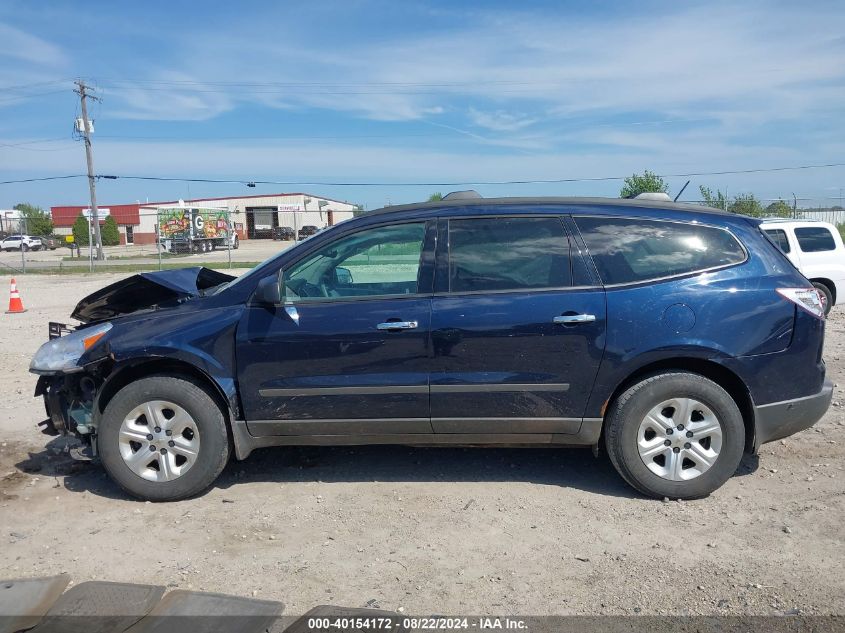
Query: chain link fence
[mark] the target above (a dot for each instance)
(167, 237)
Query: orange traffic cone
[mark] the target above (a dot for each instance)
(15, 303)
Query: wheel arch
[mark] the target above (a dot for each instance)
(126, 373)
(721, 375)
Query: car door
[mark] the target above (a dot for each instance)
(347, 352)
(516, 342)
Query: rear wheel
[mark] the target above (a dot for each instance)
(676, 435)
(827, 295)
(163, 438)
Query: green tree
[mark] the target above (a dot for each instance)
(34, 220)
(109, 232)
(716, 200)
(80, 231)
(747, 204)
(435, 197)
(647, 182)
(779, 209)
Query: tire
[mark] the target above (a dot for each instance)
(827, 294)
(210, 439)
(663, 471)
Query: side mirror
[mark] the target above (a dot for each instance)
(343, 276)
(269, 291)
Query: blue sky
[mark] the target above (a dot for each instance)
(422, 92)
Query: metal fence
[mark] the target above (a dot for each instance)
(170, 238)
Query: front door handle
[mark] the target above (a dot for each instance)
(574, 318)
(398, 325)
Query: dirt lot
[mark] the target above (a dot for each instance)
(543, 531)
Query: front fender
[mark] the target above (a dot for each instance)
(201, 339)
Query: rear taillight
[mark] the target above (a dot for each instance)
(808, 299)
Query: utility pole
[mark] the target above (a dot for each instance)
(82, 91)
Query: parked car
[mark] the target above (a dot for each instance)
(817, 251)
(307, 231)
(20, 242)
(674, 337)
(283, 233)
(52, 242)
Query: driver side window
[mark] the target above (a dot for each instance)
(381, 261)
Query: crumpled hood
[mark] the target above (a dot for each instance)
(146, 291)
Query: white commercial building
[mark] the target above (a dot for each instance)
(255, 217)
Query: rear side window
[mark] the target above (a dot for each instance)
(632, 250)
(815, 239)
(778, 236)
(489, 254)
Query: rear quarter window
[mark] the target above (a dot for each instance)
(778, 236)
(628, 250)
(815, 239)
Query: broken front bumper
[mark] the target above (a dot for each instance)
(68, 401)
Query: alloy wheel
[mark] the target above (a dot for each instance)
(679, 439)
(159, 441)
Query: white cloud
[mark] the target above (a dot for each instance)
(500, 120)
(741, 66)
(28, 48)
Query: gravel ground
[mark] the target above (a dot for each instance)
(437, 530)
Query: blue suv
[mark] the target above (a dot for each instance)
(675, 336)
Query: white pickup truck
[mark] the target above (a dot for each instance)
(816, 249)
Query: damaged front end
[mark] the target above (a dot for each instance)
(69, 401)
(75, 363)
(72, 367)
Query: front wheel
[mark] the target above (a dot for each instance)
(163, 438)
(676, 435)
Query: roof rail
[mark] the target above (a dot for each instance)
(469, 194)
(653, 195)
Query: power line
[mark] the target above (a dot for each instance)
(423, 184)
(304, 84)
(35, 142)
(30, 96)
(472, 182)
(317, 93)
(41, 179)
(269, 138)
(36, 84)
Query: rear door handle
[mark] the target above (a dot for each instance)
(398, 325)
(574, 318)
